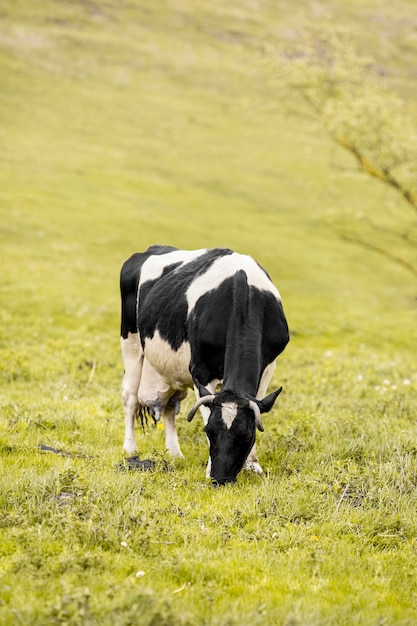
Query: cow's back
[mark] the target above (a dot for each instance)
(201, 308)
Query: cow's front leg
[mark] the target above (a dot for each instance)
(171, 436)
(208, 468)
(252, 461)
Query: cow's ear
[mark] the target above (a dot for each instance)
(267, 403)
(263, 406)
(202, 391)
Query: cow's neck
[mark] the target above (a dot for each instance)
(242, 366)
(242, 371)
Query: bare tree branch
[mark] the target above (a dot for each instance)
(407, 232)
(382, 251)
(381, 173)
(392, 233)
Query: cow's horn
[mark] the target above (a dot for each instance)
(258, 420)
(203, 400)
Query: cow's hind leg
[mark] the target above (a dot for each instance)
(252, 462)
(133, 360)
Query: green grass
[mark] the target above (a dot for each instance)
(126, 124)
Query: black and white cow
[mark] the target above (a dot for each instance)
(201, 318)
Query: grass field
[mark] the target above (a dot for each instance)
(131, 123)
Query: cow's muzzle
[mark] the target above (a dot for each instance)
(225, 480)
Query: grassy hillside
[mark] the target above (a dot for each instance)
(131, 123)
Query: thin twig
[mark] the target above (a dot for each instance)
(342, 497)
(93, 371)
(386, 253)
(381, 173)
(184, 586)
(392, 233)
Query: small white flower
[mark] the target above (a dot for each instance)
(359, 378)
(123, 544)
(140, 573)
(406, 381)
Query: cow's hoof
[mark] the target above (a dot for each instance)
(129, 447)
(176, 454)
(254, 466)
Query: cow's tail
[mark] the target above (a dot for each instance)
(143, 414)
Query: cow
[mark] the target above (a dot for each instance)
(209, 319)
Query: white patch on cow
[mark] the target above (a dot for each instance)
(171, 365)
(153, 391)
(229, 412)
(225, 267)
(154, 266)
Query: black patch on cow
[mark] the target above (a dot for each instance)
(168, 324)
(167, 294)
(129, 281)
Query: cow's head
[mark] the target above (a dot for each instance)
(231, 429)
